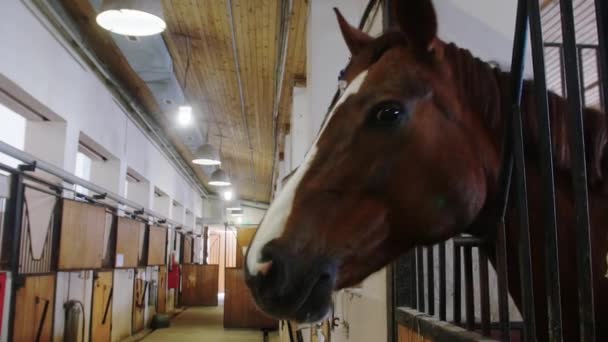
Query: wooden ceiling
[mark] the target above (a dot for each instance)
(235, 96)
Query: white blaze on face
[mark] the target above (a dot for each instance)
(273, 224)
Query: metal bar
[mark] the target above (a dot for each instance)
(468, 286)
(468, 241)
(519, 160)
(14, 218)
(547, 181)
(420, 278)
(582, 46)
(601, 17)
(484, 292)
(430, 273)
(599, 83)
(457, 287)
(442, 283)
(70, 178)
(579, 173)
(503, 281)
(562, 74)
(581, 77)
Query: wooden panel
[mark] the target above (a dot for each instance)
(200, 285)
(244, 237)
(187, 250)
(161, 305)
(34, 308)
(82, 230)
(139, 305)
(157, 246)
(101, 316)
(128, 242)
(408, 335)
(240, 310)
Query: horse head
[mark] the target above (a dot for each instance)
(397, 163)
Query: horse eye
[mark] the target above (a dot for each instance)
(387, 113)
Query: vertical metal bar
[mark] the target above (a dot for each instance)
(430, 279)
(599, 78)
(468, 286)
(579, 175)
(521, 191)
(14, 216)
(420, 278)
(413, 278)
(581, 77)
(503, 281)
(547, 181)
(562, 74)
(442, 283)
(457, 286)
(601, 17)
(484, 292)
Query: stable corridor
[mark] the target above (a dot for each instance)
(205, 324)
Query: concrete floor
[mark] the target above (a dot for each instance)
(204, 324)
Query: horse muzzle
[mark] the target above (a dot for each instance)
(293, 287)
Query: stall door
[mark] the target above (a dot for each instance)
(161, 306)
(34, 309)
(101, 320)
(200, 285)
(139, 305)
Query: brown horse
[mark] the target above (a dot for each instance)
(410, 155)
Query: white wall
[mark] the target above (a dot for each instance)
(40, 70)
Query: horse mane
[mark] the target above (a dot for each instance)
(487, 90)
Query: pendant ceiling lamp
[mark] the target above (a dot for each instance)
(234, 205)
(132, 17)
(219, 177)
(207, 155)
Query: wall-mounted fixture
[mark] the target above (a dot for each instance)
(207, 155)
(237, 213)
(184, 115)
(132, 17)
(219, 177)
(234, 205)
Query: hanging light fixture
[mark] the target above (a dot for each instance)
(207, 155)
(132, 17)
(219, 177)
(184, 115)
(234, 205)
(237, 213)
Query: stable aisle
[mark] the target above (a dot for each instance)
(204, 324)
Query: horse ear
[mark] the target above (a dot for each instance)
(355, 39)
(418, 20)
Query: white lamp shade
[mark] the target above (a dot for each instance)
(234, 205)
(132, 17)
(207, 155)
(219, 177)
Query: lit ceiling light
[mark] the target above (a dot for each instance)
(207, 155)
(234, 205)
(219, 177)
(239, 220)
(184, 115)
(227, 195)
(132, 17)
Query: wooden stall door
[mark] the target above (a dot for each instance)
(82, 230)
(34, 306)
(200, 285)
(243, 240)
(139, 305)
(161, 304)
(157, 246)
(240, 310)
(101, 319)
(129, 242)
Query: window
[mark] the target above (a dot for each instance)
(12, 132)
(83, 170)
